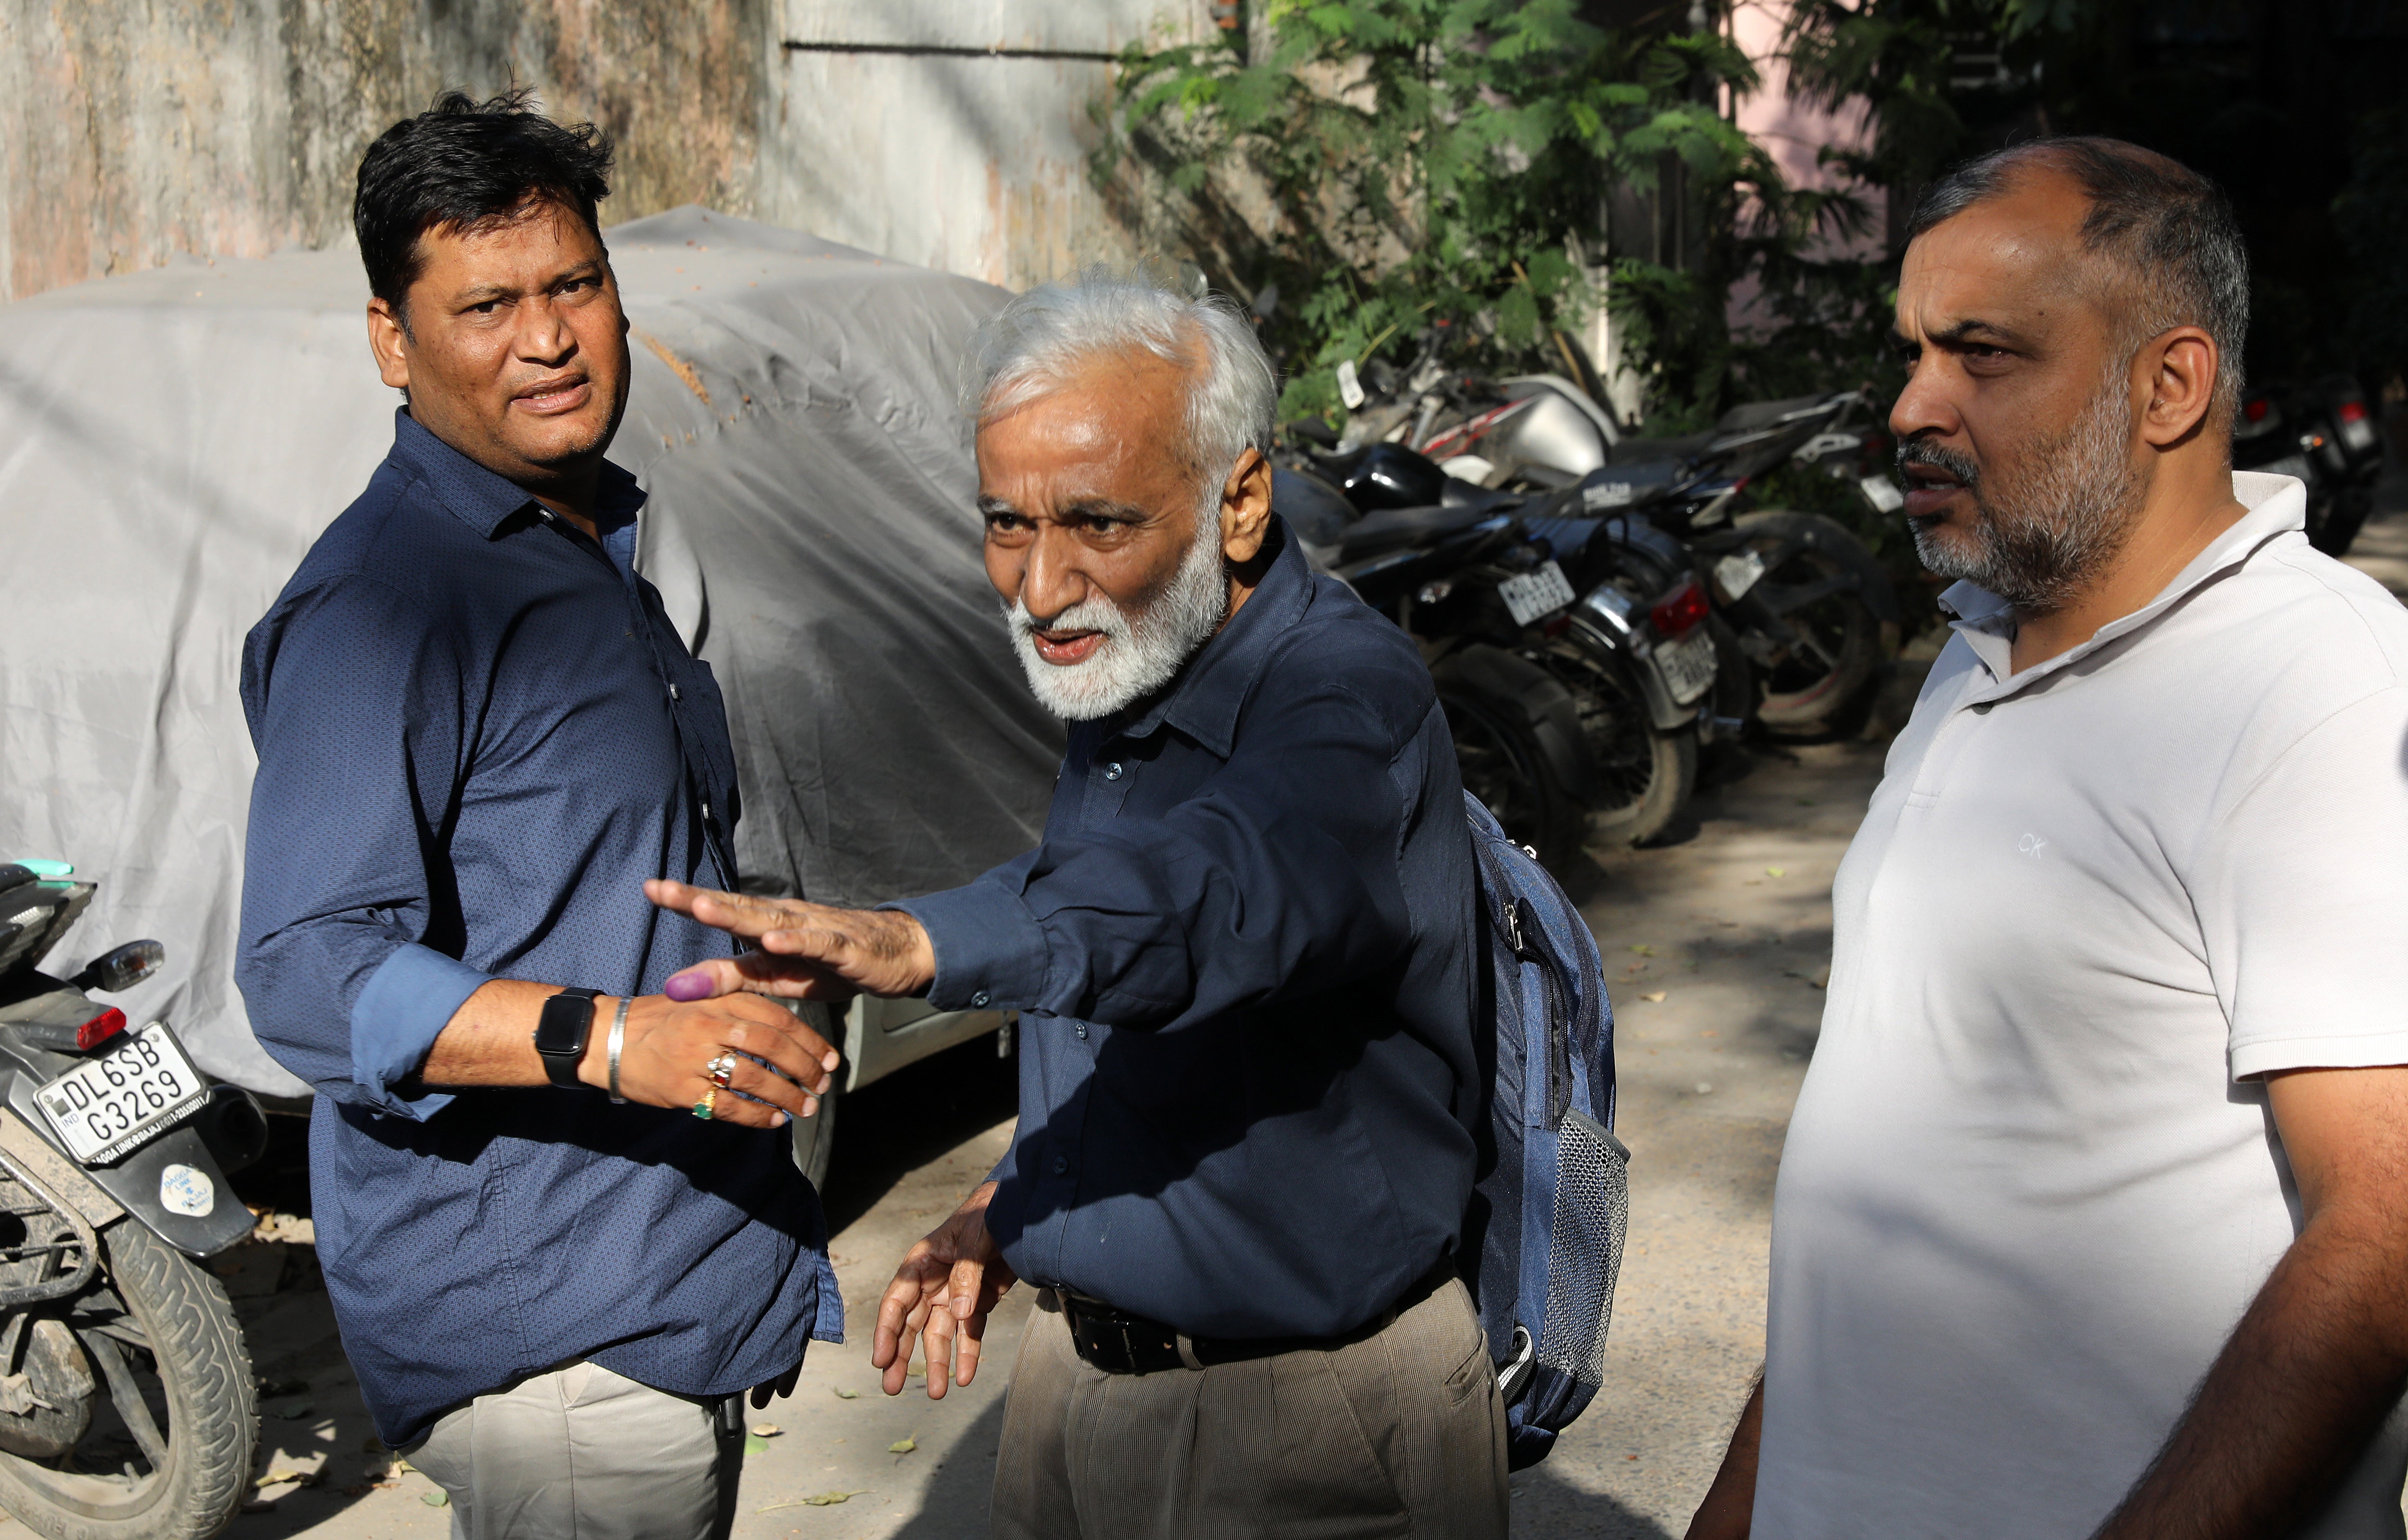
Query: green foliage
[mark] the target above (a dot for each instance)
(1423, 164)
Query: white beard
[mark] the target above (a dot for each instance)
(1139, 653)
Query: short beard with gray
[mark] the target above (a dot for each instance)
(1141, 653)
(2062, 509)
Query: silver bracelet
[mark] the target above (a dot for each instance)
(618, 1041)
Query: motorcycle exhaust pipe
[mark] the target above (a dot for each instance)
(233, 1127)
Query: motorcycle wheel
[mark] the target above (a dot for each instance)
(1816, 679)
(174, 1419)
(1644, 777)
(1496, 752)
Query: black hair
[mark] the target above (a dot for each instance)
(2168, 232)
(469, 165)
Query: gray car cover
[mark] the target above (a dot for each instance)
(172, 442)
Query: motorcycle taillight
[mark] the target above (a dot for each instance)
(100, 1029)
(2255, 411)
(2353, 411)
(1679, 612)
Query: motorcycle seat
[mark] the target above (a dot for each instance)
(1397, 529)
(1635, 452)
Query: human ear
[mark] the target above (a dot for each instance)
(1246, 508)
(2180, 382)
(389, 340)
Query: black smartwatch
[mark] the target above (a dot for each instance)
(561, 1032)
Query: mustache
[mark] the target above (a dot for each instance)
(1918, 451)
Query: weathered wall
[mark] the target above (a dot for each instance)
(952, 133)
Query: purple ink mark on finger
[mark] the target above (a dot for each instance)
(695, 985)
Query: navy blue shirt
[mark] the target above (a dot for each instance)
(1243, 959)
(478, 735)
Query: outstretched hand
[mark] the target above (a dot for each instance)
(806, 951)
(941, 1295)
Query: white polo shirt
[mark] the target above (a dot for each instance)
(2031, 1185)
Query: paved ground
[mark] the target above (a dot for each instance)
(1717, 947)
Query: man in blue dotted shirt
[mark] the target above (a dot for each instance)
(1242, 963)
(559, 1223)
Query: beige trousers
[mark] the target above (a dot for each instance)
(1401, 1434)
(580, 1453)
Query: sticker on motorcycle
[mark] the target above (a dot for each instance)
(1738, 571)
(1540, 592)
(115, 1104)
(1883, 493)
(185, 1190)
(1607, 494)
(1350, 385)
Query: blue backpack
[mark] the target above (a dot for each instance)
(1547, 1216)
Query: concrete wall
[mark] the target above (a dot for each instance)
(952, 133)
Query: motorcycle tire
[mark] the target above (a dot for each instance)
(178, 1318)
(1645, 776)
(1497, 751)
(1817, 682)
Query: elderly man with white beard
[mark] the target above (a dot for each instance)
(1242, 959)
(2093, 1217)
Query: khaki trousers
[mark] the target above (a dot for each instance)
(1401, 1434)
(580, 1453)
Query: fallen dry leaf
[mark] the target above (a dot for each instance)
(823, 1499)
(1656, 998)
(843, 1395)
(1643, 949)
(766, 1430)
(1776, 871)
(903, 1446)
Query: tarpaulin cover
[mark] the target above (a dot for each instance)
(172, 442)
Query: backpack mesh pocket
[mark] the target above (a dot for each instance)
(1585, 1248)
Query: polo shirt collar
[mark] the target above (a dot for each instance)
(485, 501)
(2277, 505)
(1204, 699)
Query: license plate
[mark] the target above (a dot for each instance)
(1738, 571)
(1883, 493)
(114, 1105)
(1688, 665)
(1542, 591)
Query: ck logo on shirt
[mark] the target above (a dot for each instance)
(2032, 844)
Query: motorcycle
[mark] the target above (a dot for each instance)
(2325, 436)
(1804, 608)
(127, 1406)
(1461, 570)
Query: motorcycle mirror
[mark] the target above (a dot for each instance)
(122, 969)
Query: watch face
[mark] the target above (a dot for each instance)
(566, 1018)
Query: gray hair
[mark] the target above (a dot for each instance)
(2168, 232)
(1040, 341)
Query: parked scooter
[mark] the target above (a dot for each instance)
(127, 1406)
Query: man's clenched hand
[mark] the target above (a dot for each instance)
(808, 951)
(941, 1295)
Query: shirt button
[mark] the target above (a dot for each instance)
(978, 1001)
(1082, 1029)
(1113, 771)
(673, 693)
(1061, 1164)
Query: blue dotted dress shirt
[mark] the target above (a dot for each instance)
(478, 735)
(1243, 962)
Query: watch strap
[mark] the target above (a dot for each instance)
(562, 1032)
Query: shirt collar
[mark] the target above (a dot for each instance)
(2277, 505)
(485, 501)
(1203, 700)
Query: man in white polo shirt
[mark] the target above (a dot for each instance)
(2093, 1218)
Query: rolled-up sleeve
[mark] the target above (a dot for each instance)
(1279, 877)
(357, 702)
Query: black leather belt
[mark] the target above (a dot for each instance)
(1119, 1342)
